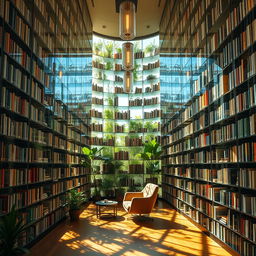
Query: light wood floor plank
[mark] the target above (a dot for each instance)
(169, 234)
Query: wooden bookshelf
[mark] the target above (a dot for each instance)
(41, 139)
(209, 163)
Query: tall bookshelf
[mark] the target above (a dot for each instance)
(41, 137)
(122, 122)
(209, 163)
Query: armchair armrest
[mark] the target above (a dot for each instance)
(130, 195)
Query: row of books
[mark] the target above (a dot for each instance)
(15, 76)
(14, 102)
(125, 115)
(39, 73)
(153, 114)
(118, 67)
(97, 101)
(136, 168)
(59, 108)
(151, 101)
(133, 141)
(222, 175)
(118, 79)
(127, 182)
(95, 113)
(135, 102)
(59, 127)
(16, 52)
(37, 114)
(96, 127)
(97, 64)
(102, 142)
(152, 88)
(97, 88)
(18, 177)
(17, 23)
(119, 128)
(151, 65)
(245, 152)
(13, 128)
(119, 90)
(74, 135)
(41, 33)
(122, 155)
(216, 227)
(248, 34)
(37, 91)
(15, 153)
(243, 202)
(244, 127)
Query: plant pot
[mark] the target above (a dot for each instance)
(120, 197)
(74, 215)
(96, 198)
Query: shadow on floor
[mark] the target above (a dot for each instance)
(157, 223)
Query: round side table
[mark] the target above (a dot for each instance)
(108, 204)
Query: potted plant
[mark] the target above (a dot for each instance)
(119, 193)
(75, 199)
(109, 50)
(11, 230)
(150, 49)
(151, 155)
(92, 154)
(108, 186)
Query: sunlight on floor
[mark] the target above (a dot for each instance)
(169, 234)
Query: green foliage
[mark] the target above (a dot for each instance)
(108, 126)
(108, 137)
(118, 50)
(107, 153)
(149, 137)
(108, 184)
(150, 49)
(151, 127)
(11, 229)
(151, 77)
(135, 71)
(136, 47)
(110, 101)
(152, 151)
(91, 154)
(98, 47)
(151, 155)
(135, 126)
(109, 65)
(109, 49)
(75, 199)
(108, 114)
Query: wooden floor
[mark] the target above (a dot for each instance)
(169, 234)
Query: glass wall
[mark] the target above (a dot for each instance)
(122, 122)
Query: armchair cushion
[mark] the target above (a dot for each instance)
(141, 202)
(127, 205)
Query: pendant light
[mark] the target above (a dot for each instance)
(128, 81)
(128, 56)
(127, 21)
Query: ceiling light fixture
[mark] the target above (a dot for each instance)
(128, 81)
(127, 21)
(127, 56)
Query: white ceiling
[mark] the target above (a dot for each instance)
(105, 19)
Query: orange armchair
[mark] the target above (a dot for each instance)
(141, 202)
